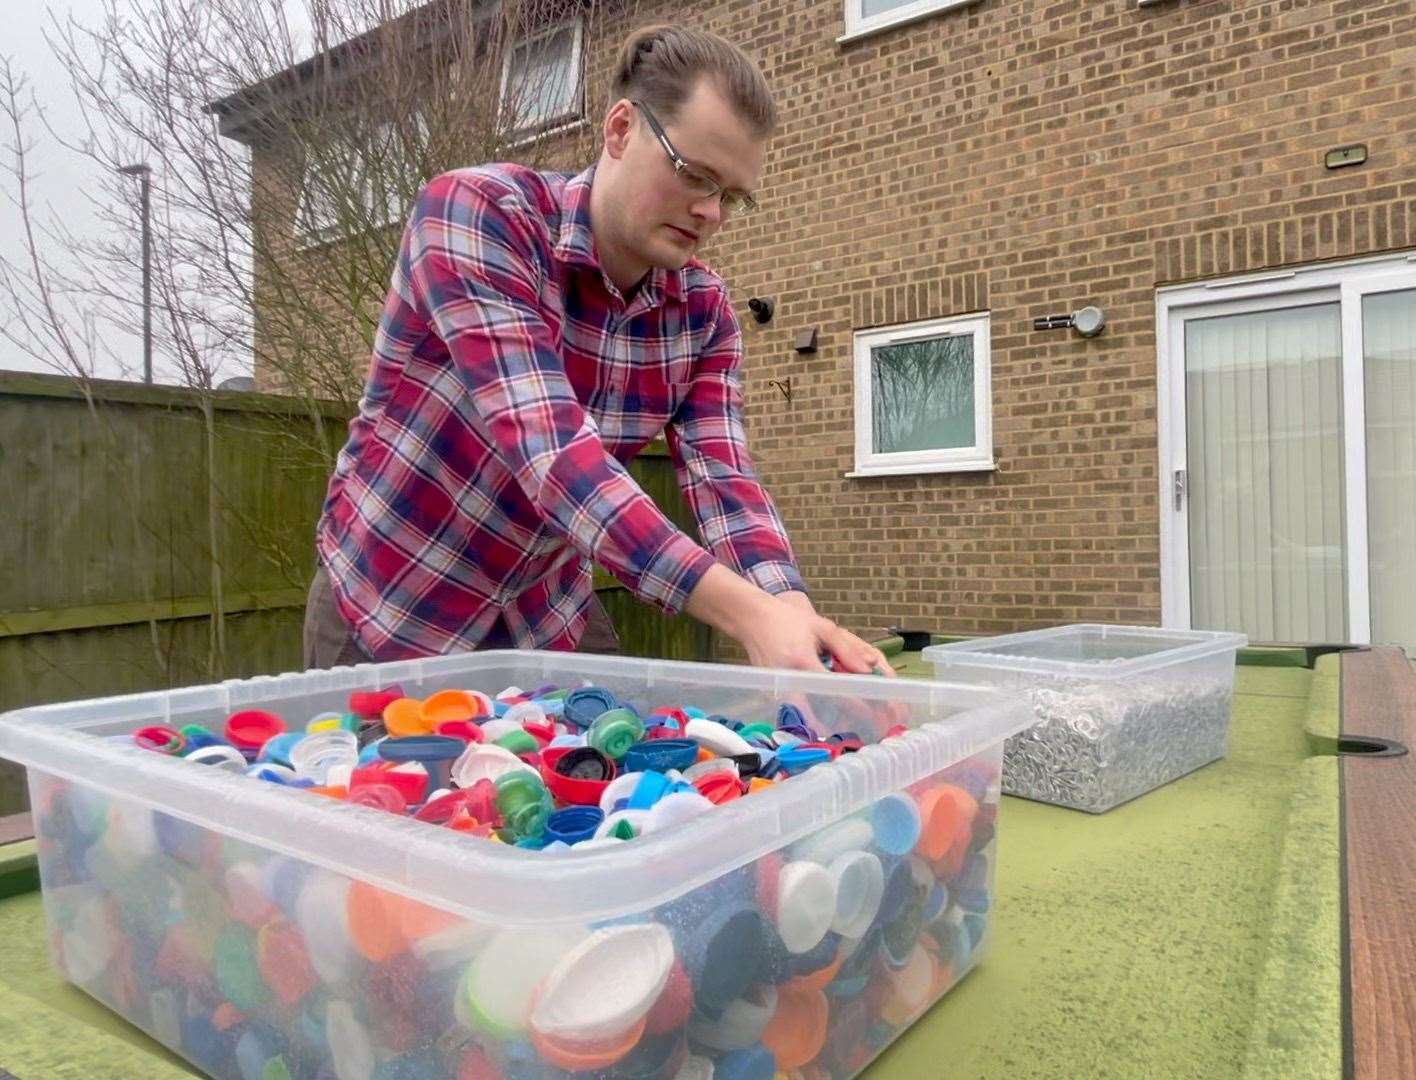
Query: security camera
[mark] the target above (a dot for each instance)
(761, 307)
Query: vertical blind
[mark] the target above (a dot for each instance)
(1263, 396)
(1389, 354)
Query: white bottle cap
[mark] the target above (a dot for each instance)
(806, 905)
(605, 985)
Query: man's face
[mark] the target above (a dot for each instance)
(661, 219)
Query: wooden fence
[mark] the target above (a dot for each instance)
(160, 537)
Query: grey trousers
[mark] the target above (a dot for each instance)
(329, 642)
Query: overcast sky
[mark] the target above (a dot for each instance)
(62, 175)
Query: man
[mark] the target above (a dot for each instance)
(540, 330)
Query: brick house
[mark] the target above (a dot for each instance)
(1233, 186)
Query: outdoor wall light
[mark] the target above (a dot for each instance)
(1088, 321)
(761, 308)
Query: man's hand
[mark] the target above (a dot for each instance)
(779, 631)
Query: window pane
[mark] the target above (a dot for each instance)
(542, 83)
(922, 394)
(880, 7)
(1389, 352)
(1263, 412)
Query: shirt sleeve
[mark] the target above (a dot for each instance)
(736, 517)
(474, 268)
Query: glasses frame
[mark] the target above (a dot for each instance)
(732, 200)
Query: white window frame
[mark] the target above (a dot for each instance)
(858, 25)
(976, 458)
(1345, 283)
(562, 121)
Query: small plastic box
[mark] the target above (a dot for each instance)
(1120, 710)
(261, 931)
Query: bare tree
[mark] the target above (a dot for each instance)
(285, 155)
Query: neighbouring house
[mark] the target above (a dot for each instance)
(1083, 311)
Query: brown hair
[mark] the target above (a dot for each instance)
(660, 66)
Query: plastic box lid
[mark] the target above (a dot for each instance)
(1085, 650)
(485, 881)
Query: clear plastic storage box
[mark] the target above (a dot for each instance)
(1120, 710)
(262, 931)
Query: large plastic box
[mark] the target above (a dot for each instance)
(260, 931)
(1120, 710)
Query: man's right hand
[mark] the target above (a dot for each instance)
(776, 633)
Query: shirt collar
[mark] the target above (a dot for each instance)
(575, 245)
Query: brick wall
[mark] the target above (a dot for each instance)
(1024, 158)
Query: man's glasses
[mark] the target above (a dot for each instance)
(694, 181)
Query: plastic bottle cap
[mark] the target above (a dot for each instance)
(806, 905)
(526, 712)
(404, 716)
(723, 952)
(410, 784)
(479, 802)
(518, 742)
(797, 759)
(573, 824)
(455, 705)
(615, 731)
(741, 1022)
(501, 979)
(605, 985)
(348, 1041)
(622, 825)
(278, 747)
(860, 884)
(660, 755)
(719, 787)
(284, 961)
(947, 812)
(249, 729)
(370, 704)
(651, 788)
(896, 821)
(487, 762)
(576, 775)
(325, 721)
(585, 705)
(620, 788)
(315, 755)
(722, 740)
(465, 730)
(590, 1058)
(223, 757)
(710, 766)
(492, 730)
(379, 797)
(321, 914)
(798, 1028)
(674, 809)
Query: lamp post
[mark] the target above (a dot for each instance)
(144, 175)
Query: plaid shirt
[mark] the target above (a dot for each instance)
(509, 386)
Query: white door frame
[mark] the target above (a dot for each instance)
(1344, 282)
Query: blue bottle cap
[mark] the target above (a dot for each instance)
(660, 755)
(895, 819)
(753, 1063)
(899, 884)
(573, 824)
(586, 705)
(278, 747)
(694, 713)
(723, 953)
(798, 759)
(651, 788)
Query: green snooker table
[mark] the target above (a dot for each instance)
(1254, 919)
